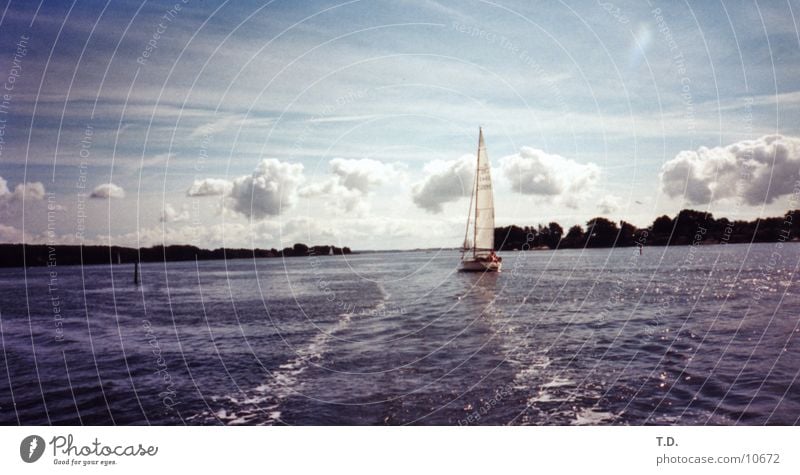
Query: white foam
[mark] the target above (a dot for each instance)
(285, 382)
(590, 416)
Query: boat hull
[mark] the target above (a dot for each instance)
(480, 266)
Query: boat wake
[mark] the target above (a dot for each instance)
(263, 405)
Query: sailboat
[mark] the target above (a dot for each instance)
(477, 254)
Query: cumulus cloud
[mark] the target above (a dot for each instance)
(446, 181)
(609, 204)
(209, 187)
(759, 171)
(108, 190)
(267, 191)
(338, 197)
(530, 172)
(534, 172)
(29, 190)
(170, 215)
(362, 175)
(209, 236)
(351, 183)
(271, 188)
(11, 201)
(10, 234)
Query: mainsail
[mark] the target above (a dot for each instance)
(484, 203)
(480, 223)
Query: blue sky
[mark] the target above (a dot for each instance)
(268, 123)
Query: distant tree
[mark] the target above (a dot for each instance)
(662, 225)
(627, 234)
(722, 229)
(574, 238)
(601, 232)
(770, 229)
(792, 219)
(691, 225)
(542, 236)
(575, 232)
(555, 232)
(300, 249)
(509, 238)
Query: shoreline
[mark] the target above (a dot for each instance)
(239, 254)
(44, 255)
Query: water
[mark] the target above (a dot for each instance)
(686, 335)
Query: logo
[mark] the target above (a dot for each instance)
(31, 448)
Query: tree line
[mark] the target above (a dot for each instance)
(18, 255)
(688, 227)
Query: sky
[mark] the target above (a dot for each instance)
(262, 124)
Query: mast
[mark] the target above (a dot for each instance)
(484, 204)
(472, 199)
(477, 179)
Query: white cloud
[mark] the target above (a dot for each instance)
(529, 172)
(210, 236)
(337, 196)
(352, 182)
(534, 172)
(270, 189)
(759, 171)
(29, 190)
(10, 234)
(209, 187)
(223, 123)
(156, 161)
(609, 204)
(108, 190)
(11, 201)
(446, 181)
(170, 215)
(362, 175)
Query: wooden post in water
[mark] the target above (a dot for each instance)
(136, 273)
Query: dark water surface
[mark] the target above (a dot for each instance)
(686, 335)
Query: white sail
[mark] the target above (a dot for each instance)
(484, 204)
(478, 251)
